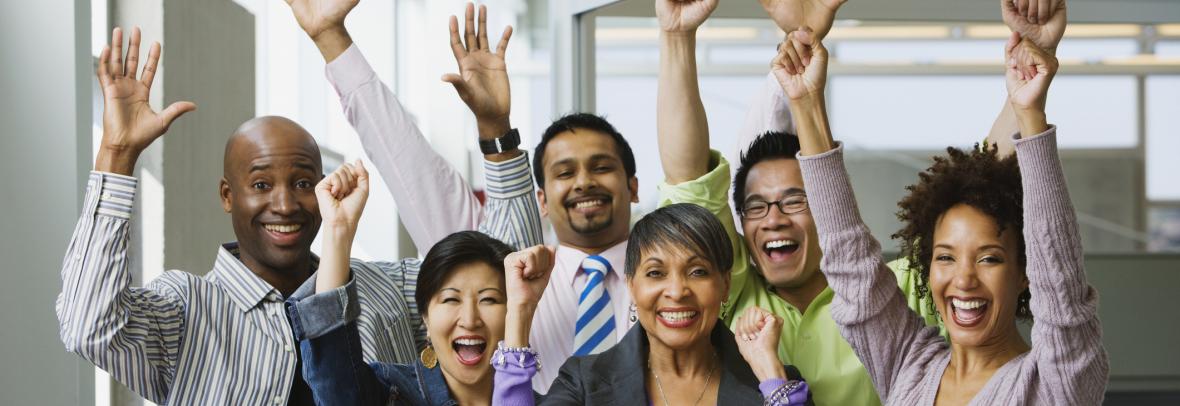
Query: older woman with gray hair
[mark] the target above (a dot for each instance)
(677, 269)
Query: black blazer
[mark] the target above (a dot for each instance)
(616, 376)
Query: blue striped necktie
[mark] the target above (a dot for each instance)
(595, 330)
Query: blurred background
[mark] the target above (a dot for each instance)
(908, 78)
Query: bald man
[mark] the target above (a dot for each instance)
(225, 338)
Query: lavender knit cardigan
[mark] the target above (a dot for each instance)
(1067, 364)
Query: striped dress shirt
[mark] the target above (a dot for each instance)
(557, 313)
(224, 339)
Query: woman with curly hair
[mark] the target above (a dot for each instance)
(985, 232)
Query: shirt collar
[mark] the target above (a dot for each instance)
(569, 260)
(245, 288)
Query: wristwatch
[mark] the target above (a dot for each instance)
(507, 142)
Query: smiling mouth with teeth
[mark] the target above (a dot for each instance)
(469, 350)
(968, 312)
(780, 249)
(282, 228)
(677, 319)
(588, 204)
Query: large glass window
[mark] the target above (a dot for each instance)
(901, 92)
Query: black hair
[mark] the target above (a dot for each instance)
(461, 248)
(978, 178)
(684, 225)
(574, 121)
(769, 145)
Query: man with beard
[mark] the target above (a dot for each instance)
(777, 255)
(585, 169)
(224, 339)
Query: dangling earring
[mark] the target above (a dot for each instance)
(428, 358)
(634, 317)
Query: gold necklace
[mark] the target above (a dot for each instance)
(660, 385)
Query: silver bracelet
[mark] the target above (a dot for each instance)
(791, 393)
(501, 356)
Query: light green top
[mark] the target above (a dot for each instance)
(810, 339)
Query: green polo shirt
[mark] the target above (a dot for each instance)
(810, 339)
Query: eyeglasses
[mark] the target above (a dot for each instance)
(790, 205)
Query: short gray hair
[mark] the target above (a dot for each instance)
(682, 225)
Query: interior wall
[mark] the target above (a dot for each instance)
(45, 158)
(1100, 185)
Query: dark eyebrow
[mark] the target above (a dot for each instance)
(603, 157)
(993, 247)
(789, 192)
(487, 289)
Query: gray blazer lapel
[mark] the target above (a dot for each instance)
(620, 372)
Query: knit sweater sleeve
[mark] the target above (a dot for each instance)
(1066, 336)
(868, 306)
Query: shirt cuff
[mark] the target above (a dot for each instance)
(508, 179)
(322, 313)
(349, 71)
(1017, 139)
(768, 386)
(710, 190)
(116, 193)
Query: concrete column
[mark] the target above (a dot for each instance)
(47, 74)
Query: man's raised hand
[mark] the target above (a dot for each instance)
(1040, 21)
(683, 15)
(129, 125)
(323, 21)
(482, 81)
(792, 15)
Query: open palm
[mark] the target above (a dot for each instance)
(128, 121)
(798, 78)
(1045, 34)
(683, 15)
(1030, 70)
(482, 81)
(791, 15)
(317, 16)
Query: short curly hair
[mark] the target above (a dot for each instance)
(979, 178)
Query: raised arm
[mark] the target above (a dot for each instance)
(482, 83)
(325, 323)
(1067, 334)
(769, 110)
(433, 200)
(1043, 23)
(868, 306)
(132, 333)
(681, 126)
(341, 196)
(526, 274)
(801, 68)
(757, 336)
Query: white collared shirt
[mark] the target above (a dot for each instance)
(553, 324)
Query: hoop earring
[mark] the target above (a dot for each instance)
(634, 317)
(428, 358)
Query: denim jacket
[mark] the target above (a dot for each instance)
(333, 361)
